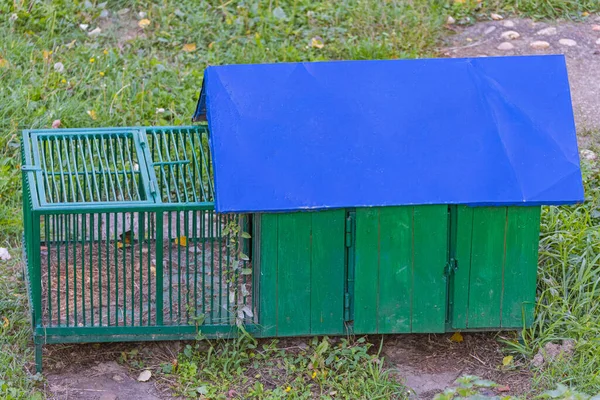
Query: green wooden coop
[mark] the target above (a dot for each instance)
(319, 199)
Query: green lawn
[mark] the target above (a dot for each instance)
(145, 67)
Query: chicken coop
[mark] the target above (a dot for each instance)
(323, 198)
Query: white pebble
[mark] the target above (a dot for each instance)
(547, 31)
(539, 45)
(596, 28)
(509, 24)
(568, 42)
(450, 20)
(94, 32)
(598, 41)
(510, 35)
(588, 154)
(496, 17)
(505, 46)
(4, 255)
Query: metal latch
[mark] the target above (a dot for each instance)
(451, 267)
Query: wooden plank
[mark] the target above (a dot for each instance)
(267, 300)
(293, 269)
(366, 287)
(327, 272)
(487, 262)
(395, 269)
(430, 251)
(460, 279)
(520, 268)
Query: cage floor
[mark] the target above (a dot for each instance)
(109, 283)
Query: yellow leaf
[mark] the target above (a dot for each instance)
(92, 114)
(585, 14)
(181, 240)
(456, 337)
(3, 63)
(189, 47)
(317, 42)
(287, 389)
(144, 23)
(46, 54)
(120, 245)
(6, 322)
(153, 270)
(314, 374)
(507, 360)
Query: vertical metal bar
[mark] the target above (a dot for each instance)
(212, 263)
(69, 170)
(57, 243)
(35, 278)
(83, 237)
(140, 242)
(134, 185)
(116, 247)
(87, 180)
(119, 145)
(195, 167)
(61, 172)
(95, 174)
(158, 153)
(124, 267)
(91, 251)
(115, 171)
(195, 233)
(75, 218)
(100, 270)
(203, 233)
(218, 220)
(206, 167)
(170, 268)
(226, 238)
(178, 230)
(108, 291)
(42, 145)
(47, 219)
(101, 150)
(187, 265)
(170, 166)
(67, 240)
(132, 257)
(180, 167)
(74, 154)
(159, 268)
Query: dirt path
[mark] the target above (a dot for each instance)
(579, 42)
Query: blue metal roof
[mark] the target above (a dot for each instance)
(474, 131)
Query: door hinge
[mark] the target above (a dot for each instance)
(451, 267)
(349, 231)
(346, 306)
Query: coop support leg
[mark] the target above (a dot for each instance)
(38, 356)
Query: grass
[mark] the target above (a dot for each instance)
(51, 68)
(243, 368)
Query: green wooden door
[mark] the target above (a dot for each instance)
(302, 273)
(400, 259)
(496, 251)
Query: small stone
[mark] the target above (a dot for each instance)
(508, 24)
(59, 67)
(547, 31)
(568, 42)
(144, 376)
(538, 360)
(117, 378)
(108, 396)
(598, 41)
(596, 28)
(142, 14)
(4, 254)
(510, 35)
(94, 32)
(505, 46)
(539, 45)
(56, 124)
(489, 30)
(450, 20)
(83, 27)
(496, 17)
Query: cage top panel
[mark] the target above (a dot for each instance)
(480, 131)
(115, 167)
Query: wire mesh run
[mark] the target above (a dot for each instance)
(123, 269)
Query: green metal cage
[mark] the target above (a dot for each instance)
(121, 240)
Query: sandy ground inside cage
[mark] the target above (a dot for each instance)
(110, 283)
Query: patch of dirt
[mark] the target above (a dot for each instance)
(578, 41)
(122, 26)
(431, 363)
(90, 371)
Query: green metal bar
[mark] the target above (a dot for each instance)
(48, 266)
(131, 247)
(212, 266)
(115, 168)
(74, 176)
(195, 241)
(119, 144)
(178, 231)
(116, 249)
(35, 278)
(100, 131)
(181, 167)
(190, 140)
(206, 165)
(71, 185)
(58, 264)
(66, 246)
(140, 242)
(141, 332)
(95, 173)
(75, 238)
(108, 291)
(218, 222)
(100, 269)
(77, 208)
(62, 176)
(203, 225)
(158, 153)
(168, 163)
(132, 172)
(175, 180)
(83, 237)
(45, 168)
(124, 268)
(170, 230)
(102, 168)
(91, 251)
(159, 269)
(105, 151)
